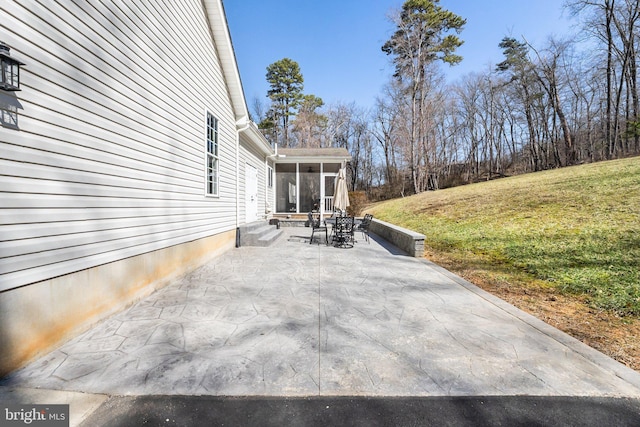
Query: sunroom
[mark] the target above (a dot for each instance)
(305, 179)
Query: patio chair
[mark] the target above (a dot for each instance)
(363, 227)
(343, 234)
(331, 222)
(316, 224)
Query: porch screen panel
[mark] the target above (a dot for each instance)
(286, 188)
(309, 187)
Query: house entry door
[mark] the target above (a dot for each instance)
(251, 193)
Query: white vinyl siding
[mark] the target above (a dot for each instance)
(107, 158)
(249, 154)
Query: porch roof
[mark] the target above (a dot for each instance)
(326, 155)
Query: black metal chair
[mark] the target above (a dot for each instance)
(331, 221)
(343, 232)
(363, 227)
(316, 224)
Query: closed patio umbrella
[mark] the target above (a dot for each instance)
(341, 193)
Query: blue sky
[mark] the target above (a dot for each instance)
(337, 42)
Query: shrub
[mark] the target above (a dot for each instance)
(358, 201)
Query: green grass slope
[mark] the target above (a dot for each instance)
(577, 229)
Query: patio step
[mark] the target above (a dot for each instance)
(258, 233)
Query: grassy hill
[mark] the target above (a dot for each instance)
(574, 230)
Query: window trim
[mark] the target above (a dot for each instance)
(211, 155)
(269, 176)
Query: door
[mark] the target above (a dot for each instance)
(251, 193)
(328, 186)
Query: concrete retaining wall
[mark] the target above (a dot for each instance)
(409, 241)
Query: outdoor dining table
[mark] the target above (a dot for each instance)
(332, 221)
(342, 238)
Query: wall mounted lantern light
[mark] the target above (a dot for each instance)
(10, 69)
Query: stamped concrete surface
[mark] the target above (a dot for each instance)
(300, 319)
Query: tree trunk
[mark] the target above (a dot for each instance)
(609, 4)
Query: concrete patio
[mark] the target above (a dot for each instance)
(299, 319)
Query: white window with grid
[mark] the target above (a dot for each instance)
(213, 162)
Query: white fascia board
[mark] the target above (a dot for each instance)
(222, 41)
(313, 159)
(258, 139)
(224, 46)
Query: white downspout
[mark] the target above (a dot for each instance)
(274, 158)
(323, 191)
(266, 186)
(241, 126)
(269, 199)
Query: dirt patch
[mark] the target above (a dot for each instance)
(617, 337)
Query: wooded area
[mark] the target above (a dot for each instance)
(563, 103)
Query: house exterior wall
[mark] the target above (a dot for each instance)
(106, 163)
(38, 317)
(250, 154)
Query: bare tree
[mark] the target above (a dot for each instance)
(348, 127)
(625, 20)
(521, 77)
(259, 109)
(548, 76)
(309, 124)
(615, 24)
(384, 131)
(422, 38)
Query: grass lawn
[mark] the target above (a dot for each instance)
(572, 232)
